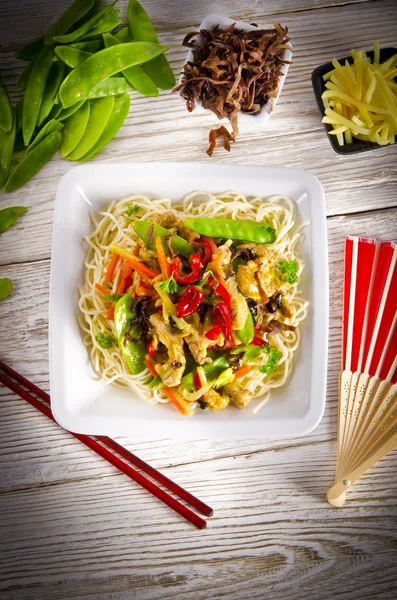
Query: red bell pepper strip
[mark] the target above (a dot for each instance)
(150, 348)
(150, 366)
(190, 301)
(214, 333)
(195, 264)
(257, 341)
(197, 381)
(223, 293)
(222, 319)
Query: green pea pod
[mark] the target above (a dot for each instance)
(117, 118)
(78, 10)
(48, 128)
(34, 93)
(108, 23)
(114, 86)
(247, 332)
(6, 116)
(7, 142)
(91, 46)
(250, 353)
(18, 110)
(133, 352)
(142, 30)
(31, 50)
(24, 77)
(124, 35)
(9, 215)
(100, 112)
(102, 65)
(135, 76)
(85, 27)
(212, 371)
(54, 80)
(5, 287)
(65, 113)
(72, 57)
(74, 129)
(178, 244)
(56, 109)
(230, 229)
(34, 161)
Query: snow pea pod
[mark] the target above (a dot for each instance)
(212, 372)
(34, 161)
(142, 30)
(18, 110)
(48, 128)
(78, 10)
(7, 140)
(100, 112)
(9, 215)
(102, 65)
(24, 77)
(65, 113)
(178, 244)
(31, 50)
(136, 76)
(114, 86)
(72, 57)
(85, 26)
(133, 352)
(89, 45)
(117, 118)
(247, 332)
(5, 287)
(74, 129)
(34, 93)
(54, 80)
(249, 231)
(6, 116)
(108, 23)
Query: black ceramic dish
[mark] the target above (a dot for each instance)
(319, 88)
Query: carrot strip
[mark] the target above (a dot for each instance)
(143, 290)
(111, 267)
(135, 251)
(110, 314)
(135, 263)
(150, 366)
(101, 289)
(162, 258)
(242, 371)
(179, 403)
(125, 277)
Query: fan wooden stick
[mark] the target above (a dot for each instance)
(367, 418)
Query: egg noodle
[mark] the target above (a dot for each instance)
(114, 226)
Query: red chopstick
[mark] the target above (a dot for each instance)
(177, 506)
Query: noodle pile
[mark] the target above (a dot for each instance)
(115, 227)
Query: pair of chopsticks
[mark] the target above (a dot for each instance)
(103, 445)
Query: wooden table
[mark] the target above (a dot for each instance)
(70, 525)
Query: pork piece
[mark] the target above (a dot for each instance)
(239, 307)
(216, 401)
(170, 372)
(237, 393)
(198, 346)
(274, 327)
(221, 261)
(247, 282)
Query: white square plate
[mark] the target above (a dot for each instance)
(81, 403)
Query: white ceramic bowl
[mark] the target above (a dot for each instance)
(82, 403)
(247, 121)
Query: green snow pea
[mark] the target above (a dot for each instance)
(85, 27)
(74, 129)
(178, 244)
(56, 109)
(108, 23)
(247, 332)
(7, 140)
(124, 35)
(6, 116)
(48, 128)
(116, 119)
(31, 50)
(78, 10)
(34, 161)
(54, 80)
(250, 353)
(34, 93)
(230, 229)
(9, 215)
(18, 109)
(102, 65)
(5, 287)
(113, 86)
(72, 57)
(89, 45)
(136, 76)
(65, 113)
(24, 77)
(133, 352)
(100, 112)
(211, 370)
(142, 30)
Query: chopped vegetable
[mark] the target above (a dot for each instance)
(101, 289)
(161, 257)
(169, 285)
(134, 262)
(181, 404)
(111, 267)
(150, 366)
(113, 298)
(222, 319)
(151, 350)
(288, 268)
(132, 210)
(133, 352)
(274, 356)
(125, 277)
(189, 302)
(242, 372)
(178, 244)
(247, 333)
(213, 333)
(249, 231)
(105, 341)
(195, 264)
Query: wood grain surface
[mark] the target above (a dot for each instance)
(71, 526)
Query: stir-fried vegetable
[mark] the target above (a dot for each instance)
(249, 231)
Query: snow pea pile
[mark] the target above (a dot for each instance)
(75, 87)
